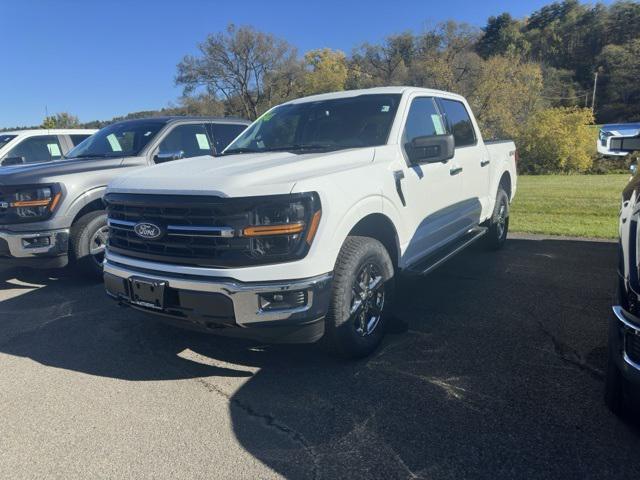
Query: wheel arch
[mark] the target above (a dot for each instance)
(381, 228)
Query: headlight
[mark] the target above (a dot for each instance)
(29, 203)
(284, 225)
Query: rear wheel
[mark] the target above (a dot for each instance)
(88, 241)
(496, 236)
(361, 293)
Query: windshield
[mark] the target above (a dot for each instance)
(4, 139)
(362, 121)
(117, 140)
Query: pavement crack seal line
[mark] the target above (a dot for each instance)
(569, 355)
(270, 421)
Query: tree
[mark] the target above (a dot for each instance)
(502, 36)
(326, 71)
(61, 120)
(241, 64)
(557, 140)
(507, 91)
(620, 89)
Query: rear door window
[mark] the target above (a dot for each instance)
(42, 148)
(459, 122)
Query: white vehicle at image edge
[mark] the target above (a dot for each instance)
(300, 228)
(609, 137)
(39, 145)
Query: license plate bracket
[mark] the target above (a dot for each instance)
(147, 293)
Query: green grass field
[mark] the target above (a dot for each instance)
(572, 205)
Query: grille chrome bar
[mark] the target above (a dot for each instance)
(180, 230)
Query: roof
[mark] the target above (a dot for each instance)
(52, 131)
(373, 91)
(178, 118)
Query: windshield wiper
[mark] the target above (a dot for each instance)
(240, 150)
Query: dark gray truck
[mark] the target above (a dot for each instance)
(52, 213)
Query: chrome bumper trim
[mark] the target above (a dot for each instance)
(245, 296)
(59, 243)
(628, 326)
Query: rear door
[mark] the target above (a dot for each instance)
(432, 190)
(471, 156)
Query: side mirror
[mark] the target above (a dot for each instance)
(431, 149)
(13, 161)
(626, 144)
(168, 156)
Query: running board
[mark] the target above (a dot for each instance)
(437, 258)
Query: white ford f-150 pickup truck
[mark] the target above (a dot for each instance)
(300, 228)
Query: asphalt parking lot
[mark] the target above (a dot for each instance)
(500, 375)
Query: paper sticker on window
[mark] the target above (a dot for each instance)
(203, 142)
(54, 149)
(114, 143)
(437, 124)
(385, 108)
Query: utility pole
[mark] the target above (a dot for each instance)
(593, 99)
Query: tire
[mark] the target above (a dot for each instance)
(355, 326)
(89, 234)
(498, 225)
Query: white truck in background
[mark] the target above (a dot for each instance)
(299, 230)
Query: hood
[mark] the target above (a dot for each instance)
(622, 129)
(239, 175)
(45, 172)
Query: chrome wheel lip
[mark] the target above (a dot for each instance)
(98, 243)
(367, 301)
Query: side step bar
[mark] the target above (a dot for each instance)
(437, 258)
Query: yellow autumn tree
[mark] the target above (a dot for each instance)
(326, 71)
(557, 140)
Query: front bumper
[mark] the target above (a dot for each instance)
(44, 249)
(228, 306)
(624, 341)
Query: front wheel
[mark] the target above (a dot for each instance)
(88, 241)
(361, 293)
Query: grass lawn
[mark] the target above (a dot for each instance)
(572, 205)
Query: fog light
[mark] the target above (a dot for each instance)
(283, 300)
(37, 242)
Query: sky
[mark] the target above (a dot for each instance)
(100, 59)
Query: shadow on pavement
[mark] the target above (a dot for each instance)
(500, 374)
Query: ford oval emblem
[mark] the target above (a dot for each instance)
(148, 231)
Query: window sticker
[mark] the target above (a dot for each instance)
(54, 149)
(203, 142)
(114, 143)
(385, 108)
(437, 124)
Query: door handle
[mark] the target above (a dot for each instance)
(455, 171)
(484, 163)
(398, 175)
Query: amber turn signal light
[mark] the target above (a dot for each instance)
(282, 229)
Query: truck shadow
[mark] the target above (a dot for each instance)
(501, 366)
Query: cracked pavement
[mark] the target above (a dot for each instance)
(499, 375)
